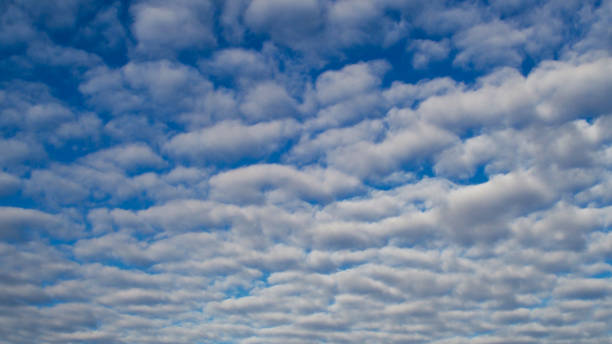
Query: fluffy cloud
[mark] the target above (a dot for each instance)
(267, 100)
(350, 81)
(496, 43)
(129, 157)
(278, 171)
(19, 223)
(553, 92)
(137, 87)
(161, 28)
(427, 51)
(241, 63)
(246, 184)
(231, 141)
(286, 21)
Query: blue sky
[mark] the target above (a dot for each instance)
(314, 171)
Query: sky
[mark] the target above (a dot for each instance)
(313, 171)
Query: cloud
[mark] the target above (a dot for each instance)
(350, 81)
(567, 227)
(244, 185)
(110, 180)
(584, 289)
(268, 100)
(15, 151)
(19, 223)
(284, 20)
(277, 171)
(313, 148)
(427, 51)
(553, 92)
(30, 106)
(478, 212)
(161, 28)
(439, 19)
(495, 43)
(379, 159)
(47, 53)
(237, 62)
(598, 17)
(15, 27)
(138, 87)
(128, 157)
(106, 28)
(408, 95)
(8, 184)
(230, 141)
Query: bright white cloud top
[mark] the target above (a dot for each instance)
(316, 171)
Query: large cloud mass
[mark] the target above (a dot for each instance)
(276, 171)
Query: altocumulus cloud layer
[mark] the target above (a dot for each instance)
(313, 171)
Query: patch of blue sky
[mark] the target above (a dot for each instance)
(603, 275)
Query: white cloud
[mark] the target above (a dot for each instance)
(282, 183)
(20, 223)
(47, 53)
(9, 184)
(107, 29)
(596, 41)
(313, 148)
(138, 87)
(406, 95)
(350, 81)
(553, 92)
(490, 44)
(15, 27)
(267, 100)
(30, 106)
(230, 141)
(583, 289)
(285, 20)
(127, 157)
(379, 159)
(439, 19)
(237, 62)
(427, 51)
(478, 212)
(286, 172)
(162, 28)
(15, 151)
(85, 126)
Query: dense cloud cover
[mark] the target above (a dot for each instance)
(313, 171)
